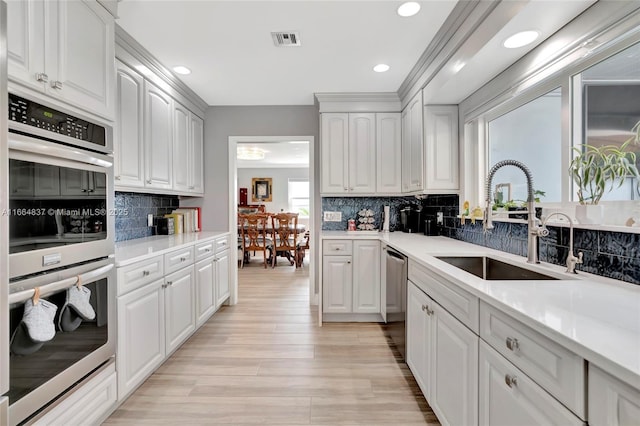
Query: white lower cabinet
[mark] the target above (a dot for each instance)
(88, 405)
(351, 283)
(508, 397)
(179, 307)
(611, 401)
(222, 277)
(4, 410)
(443, 356)
(141, 335)
(205, 290)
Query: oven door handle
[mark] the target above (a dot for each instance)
(25, 143)
(47, 289)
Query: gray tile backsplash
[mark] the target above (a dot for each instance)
(605, 253)
(133, 224)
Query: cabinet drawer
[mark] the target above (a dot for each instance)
(205, 249)
(558, 370)
(461, 304)
(611, 402)
(509, 397)
(337, 247)
(178, 259)
(221, 244)
(138, 274)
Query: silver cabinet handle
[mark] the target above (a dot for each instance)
(165, 285)
(348, 261)
(183, 259)
(145, 273)
(215, 260)
(337, 249)
(169, 283)
(207, 250)
(117, 177)
(192, 187)
(428, 311)
(149, 181)
(351, 189)
(513, 344)
(42, 77)
(224, 243)
(511, 381)
(56, 85)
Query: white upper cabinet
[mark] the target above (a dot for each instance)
(441, 148)
(181, 147)
(196, 155)
(64, 49)
(412, 146)
(335, 153)
(158, 137)
(388, 150)
(362, 153)
(128, 141)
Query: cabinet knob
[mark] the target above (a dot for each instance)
(511, 381)
(42, 77)
(513, 344)
(56, 85)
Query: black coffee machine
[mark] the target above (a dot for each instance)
(412, 219)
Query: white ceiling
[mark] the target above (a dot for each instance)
(277, 155)
(228, 45)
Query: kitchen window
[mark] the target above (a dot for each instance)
(299, 197)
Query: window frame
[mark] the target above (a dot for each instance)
(290, 198)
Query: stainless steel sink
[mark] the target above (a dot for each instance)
(488, 268)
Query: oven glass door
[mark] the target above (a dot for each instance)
(52, 205)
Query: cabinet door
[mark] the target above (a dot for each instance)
(509, 398)
(454, 370)
(80, 55)
(181, 143)
(337, 273)
(158, 137)
(141, 336)
(205, 290)
(179, 307)
(389, 153)
(97, 183)
(419, 336)
(128, 143)
(362, 153)
(196, 156)
(222, 278)
(25, 42)
(441, 147)
(412, 145)
(366, 277)
(47, 180)
(611, 402)
(334, 147)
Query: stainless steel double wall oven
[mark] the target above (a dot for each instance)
(61, 235)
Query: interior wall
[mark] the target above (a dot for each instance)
(280, 185)
(224, 121)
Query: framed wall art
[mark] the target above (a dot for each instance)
(261, 189)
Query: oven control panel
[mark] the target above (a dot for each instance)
(34, 114)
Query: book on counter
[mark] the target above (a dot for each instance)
(178, 222)
(193, 218)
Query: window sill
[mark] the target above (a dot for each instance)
(553, 222)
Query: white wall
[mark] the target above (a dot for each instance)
(280, 181)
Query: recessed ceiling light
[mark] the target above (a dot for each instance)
(182, 70)
(381, 68)
(458, 66)
(409, 8)
(521, 39)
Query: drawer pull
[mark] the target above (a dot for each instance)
(183, 259)
(224, 243)
(512, 344)
(337, 249)
(207, 250)
(511, 381)
(169, 283)
(145, 273)
(429, 311)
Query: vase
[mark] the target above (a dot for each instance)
(589, 213)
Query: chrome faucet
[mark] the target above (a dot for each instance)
(572, 260)
(533, 229)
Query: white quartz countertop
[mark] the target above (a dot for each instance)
(132, 251)
(595, 317)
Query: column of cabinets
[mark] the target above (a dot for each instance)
(159, 142)
(161, 301)
(65, 50)
(351, 277)
(412, 146)
(360, 153)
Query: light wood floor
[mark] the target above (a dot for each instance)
(266, 361)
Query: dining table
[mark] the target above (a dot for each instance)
(301, 229)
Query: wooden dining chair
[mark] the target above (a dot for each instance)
(285, 236)
(253, 228)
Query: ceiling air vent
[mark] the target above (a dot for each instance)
(286, 38)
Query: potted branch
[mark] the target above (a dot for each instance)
(597, 170)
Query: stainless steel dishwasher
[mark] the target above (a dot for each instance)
(396, 280)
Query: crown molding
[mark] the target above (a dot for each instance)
(128, 50)
(358, 102)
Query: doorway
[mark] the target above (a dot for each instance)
(273, 146)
